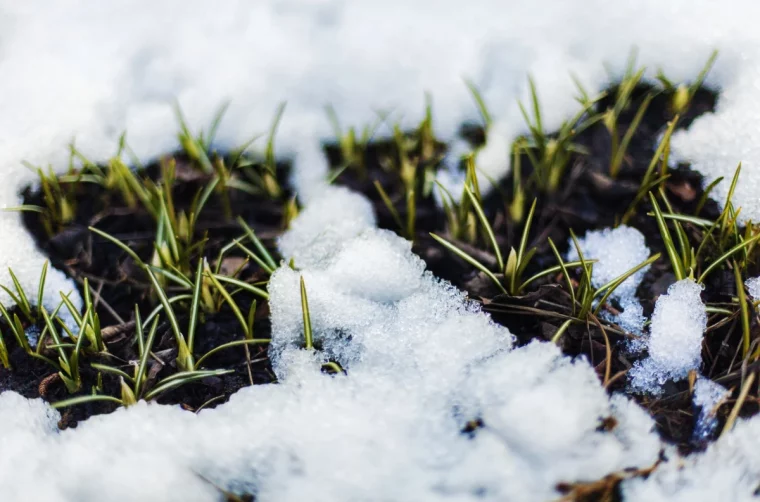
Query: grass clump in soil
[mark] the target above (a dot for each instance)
(172, 260)
(607, 166)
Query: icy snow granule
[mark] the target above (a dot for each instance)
(617, 250)
(753, 286)
(707, 396)
(675, 341)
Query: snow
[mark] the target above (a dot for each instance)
(753, 286)
(421, 361)
(675, 340)
(119, 65)
(617, 250)
(708, 395)
(728, 470)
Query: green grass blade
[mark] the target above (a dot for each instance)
(611, 286)
(726, 255)
(266, 255)
(469, 259)
(84, 399)
(746, 333)
(236, 343)
(486, 226)
(675, 259)
(307, 331)
(228, 298)
(120, 244)
(182, 379)
(142, 367)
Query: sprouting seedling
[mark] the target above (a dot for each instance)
(508, 277)
(307, 329)
(485, 115)
(134, 387)
(683, 94)
(352, 146)
(59, 203)
(650, 180)
(587, 300)
(550, 156)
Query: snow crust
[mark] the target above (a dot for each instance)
(421, 363)
(675, 339)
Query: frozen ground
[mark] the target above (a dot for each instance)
(421, 362)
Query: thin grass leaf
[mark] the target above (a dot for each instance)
(120, 244)
(270, 159)
(480, 103)
(675, 260)
(725, 256)
(565, 273)
(243, 285)
(266, 255)
(184, 356)
(307, 332)
(113, 371)
(228, 345)
(746, 333)
(389, 204)
(469, 259)
(561, 331)
(195, 305)
(619, 154)
(182, 379)
(486, 226)
(611, 286)
(143, 365)
(25, 306)
(553, 270)
(261, 263)
(228, 298)
(83, 400)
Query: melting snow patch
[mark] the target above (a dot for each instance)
(421, 363)
(675, 341)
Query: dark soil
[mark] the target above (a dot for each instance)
(119, 285)
(588, 199)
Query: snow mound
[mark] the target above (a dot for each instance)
(617, 250)
(675, 341)
(728, 470)
(421, 363)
